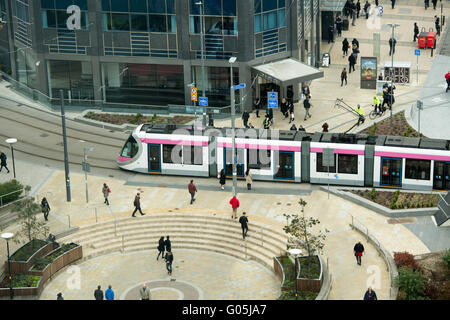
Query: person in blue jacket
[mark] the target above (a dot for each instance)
(370, 295)
(109, 293)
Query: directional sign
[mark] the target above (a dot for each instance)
(194, 94)
(239, 86)
(328, 157)
(272, 99)
(417, 52)
(86, 166)
(203, 101)
(419, 105)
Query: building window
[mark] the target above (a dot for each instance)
(54, 13)
(156, 15)
(270, 14)
(219, 17)
(73, 77)
(258, 159)
(320, 168)
(348, 163)
(417, 169)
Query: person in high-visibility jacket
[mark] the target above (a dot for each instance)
(360, 112)
(376, 102)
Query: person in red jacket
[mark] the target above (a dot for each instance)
(447, 77)
(234, 204)
(192, 190)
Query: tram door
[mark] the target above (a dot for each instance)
(284, 165)
(239, 157)
(391, 172)
(441, 179)
(154, 158)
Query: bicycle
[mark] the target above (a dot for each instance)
(373, 114)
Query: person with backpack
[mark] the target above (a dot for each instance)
(244, 225)
(137, 205)
(160, 248)
(3, 161)
(234, 206)
(106, 191)
(358, 250)
(45, 207)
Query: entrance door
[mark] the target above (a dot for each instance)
(239, 157)
(154, 158)
(391, 172)
(284, 165)
(441, 179)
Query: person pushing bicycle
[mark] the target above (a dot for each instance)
(376, 103)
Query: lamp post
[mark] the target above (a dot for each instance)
(393, 26)
(66, 154)
(8, 236)
(233, 127)
(295, 252)
(200, 3)
(11, 141)
(85, 168)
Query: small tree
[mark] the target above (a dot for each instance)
(411, 282)
(31, 228)
(299, 232)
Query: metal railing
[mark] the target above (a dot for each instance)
(8, 194)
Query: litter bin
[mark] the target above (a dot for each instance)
(422, 39)
(431, 39)
(325, 60)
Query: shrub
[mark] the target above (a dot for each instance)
(411, 282)
(405, 259)
(396, 195)
(372, 130)
(446, 258)
(12, 189)
(373, 195)
(432, 290)
(408, 205)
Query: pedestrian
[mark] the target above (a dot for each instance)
(339, 24)
(160, 248)
(386, 99)
(300, 128)
(59, 296)
(245, 117)
(244, 225)
(109, 293)
(98, 294)
(3, 161)
(358, 9)
(351, 62)
(370, 294)
(270, 114)
(169, 260)
(330, 33)
(293, 127)
(192, 190)
(284, 107)
(307, 104)
(145, 292)
(248, 179)
(168, 244)
(343, 77)
(437, 25)
(106, 191)
(427, 4)
(45, 207)
(305, 90)
(137, 205)
(266, 123)
(325, 127)
(360, 113)
(447, 78)
(393, 4)
(291, 113)
(290, 95)
(234, 206)
(257, 106)
(366, 9)
(392, 43)
(358, 250)
(434, 2)
(376, 103)
(416, 31)
(380, 76)
(345, 47)
(376, 3)
(355, 41)
(222, 177)
(355, 50)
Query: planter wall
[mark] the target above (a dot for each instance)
(24, 266)
(278, 268)
(311, 284)
(34, 291)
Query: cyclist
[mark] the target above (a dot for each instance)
(376, 102)
(360, 113)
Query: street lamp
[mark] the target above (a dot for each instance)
(295, 252)
(11, 141)
(86, 168)
(200, 3)
(233, 127)
(7, 236)
(393, 26)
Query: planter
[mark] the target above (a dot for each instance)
(24, 291)
(283, 274)
(23, 266)
(307, 284)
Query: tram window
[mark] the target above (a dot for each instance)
(320, 168)
(168, 153)
(348, 163)
(192, 155)
(258, 159)
(130, 148)
(418, 169)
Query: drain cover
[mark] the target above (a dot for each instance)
(44, 135)
(112, 131)
(162, 186)
(401, 220)
(60, 144)
(111, 176)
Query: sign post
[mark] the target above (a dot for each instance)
(419, 107)
(272, 99)
(194, 98)
(417, 53)
(328, 161)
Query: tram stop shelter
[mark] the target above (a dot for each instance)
(329, 11)
(285, 73)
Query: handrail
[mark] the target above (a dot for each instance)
(7, 194)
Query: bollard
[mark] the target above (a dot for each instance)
(432, 51)
(123, 245)
(96, 220)
(245, 241)
(69, 221)
(262, 240)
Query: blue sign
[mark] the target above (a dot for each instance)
(203, 101)
(272, 100)
(417, 52)
(239, 86)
